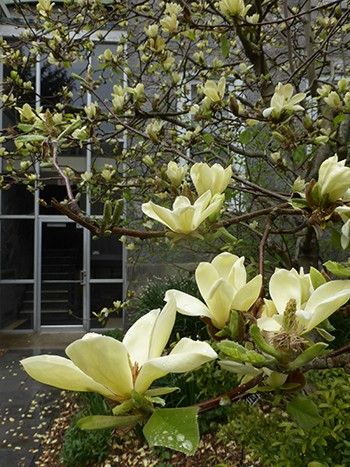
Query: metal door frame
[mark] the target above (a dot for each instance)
(38, 327)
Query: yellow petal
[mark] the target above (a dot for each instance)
(148, 336)
(186, 304)
(326, 299)
(104, 359)
(285, 285)
(248, 294)
(160, 214)
(187, 355)
(63, 374)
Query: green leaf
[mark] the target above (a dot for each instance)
(225, 46)
(299, 203)
(325, 334)
(246, 136)
(100, 422)
(30, 138)
(308, 355)
(160, 391)
(338, 269)
(240, 354)
(174, 428)
(124, 407)
(316, 277)
(25, 127)
(339, 119)
(304, 412)
(261, 343)
(208, 138)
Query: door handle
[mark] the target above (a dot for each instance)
(82, 277)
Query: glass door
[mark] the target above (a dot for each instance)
(62, 284)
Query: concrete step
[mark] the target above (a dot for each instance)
(48, 294)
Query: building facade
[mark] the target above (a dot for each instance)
(53, 275)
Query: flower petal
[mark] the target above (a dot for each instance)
(63, 374)
(219, 302)
(206, 275)
(285, 285)
(265, 323)
(105, 360)
(160, 214)
(248, 294)
(185, 356)
(186, 304)
(148, 336)
(224, 263)
(326, 299)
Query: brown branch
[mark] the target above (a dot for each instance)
(234, 395)
(328, 362)
(95, 229)
(262, 247)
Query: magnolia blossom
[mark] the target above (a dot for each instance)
(184, 218)
(283, 100)
(215, 91)
(293, 291)
(233, 7)
(223, 286)
(334, 179)
(114, 369)
(176, 173)
(214, 178)
(344, 212)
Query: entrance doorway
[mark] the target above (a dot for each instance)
(62, 274)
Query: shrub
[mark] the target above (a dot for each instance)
(82, 448)
(152, 296)
(267, 433)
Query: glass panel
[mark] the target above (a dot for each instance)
(103, 295)
(17, 200)
(62, 260)
(61, 304)
(106, 258)
(17, 249)
(58, 86)
(16, 306)
(58, 192)
(62, 251)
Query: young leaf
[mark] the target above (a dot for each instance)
(174, 428)
(225, 46)
(308, 355)
(316, 277)
(304, 412)
(338, 269)
(99, 422)
(240, 354)
(160, 391)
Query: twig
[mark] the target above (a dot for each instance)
(234, 395)
(262, 246)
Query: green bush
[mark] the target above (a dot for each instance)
(267, 433)
(82, 448)
(152, 296)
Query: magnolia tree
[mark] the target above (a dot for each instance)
(235, 119)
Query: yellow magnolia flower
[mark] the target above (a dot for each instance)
(283, 100)
(215, 91)
(114, 369)
(176, 173)
(292, 294)
(334, 179)
(184, 218)
(214, 178)
(223, 286)
(233, 7)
